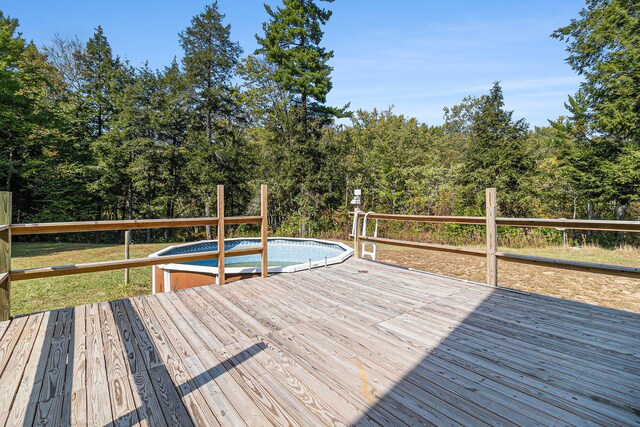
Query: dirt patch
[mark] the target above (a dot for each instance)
(608, 291)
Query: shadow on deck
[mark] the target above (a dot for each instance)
(356, 344)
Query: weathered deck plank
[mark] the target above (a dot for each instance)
(358, 343)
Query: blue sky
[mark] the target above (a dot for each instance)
(418, 55)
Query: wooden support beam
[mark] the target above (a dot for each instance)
(492, 237)
(242, 220)
(127, 241)
(220, 203)
(264, 230)
(5, 255)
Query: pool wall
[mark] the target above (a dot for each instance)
(176, 276)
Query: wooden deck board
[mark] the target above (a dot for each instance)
(359, 343)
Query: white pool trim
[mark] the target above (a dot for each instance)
(249, 270)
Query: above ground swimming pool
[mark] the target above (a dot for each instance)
(285, 255)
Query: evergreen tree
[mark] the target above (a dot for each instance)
(98, 71)
(297, 64)
(210, 62)
(291, 43)
(171, 123)
(604, 47)
(578, 154)
(216, 139)
(495, 153)
(14, 106)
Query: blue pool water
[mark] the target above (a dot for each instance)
(281, 252)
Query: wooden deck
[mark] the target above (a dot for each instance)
(359, 343)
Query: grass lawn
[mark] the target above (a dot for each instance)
(43, 294)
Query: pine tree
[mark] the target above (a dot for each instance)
(210, 62)
(291, 43)
(604, 47)
(291, 56)
(14, 105)
(495, 153)
(216, 139)
(171, 123)
(105, 90)
(98, 69)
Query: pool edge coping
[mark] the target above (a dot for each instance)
(254, 270)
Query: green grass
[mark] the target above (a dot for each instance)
(43, 294)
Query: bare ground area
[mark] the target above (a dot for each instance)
(608, 291)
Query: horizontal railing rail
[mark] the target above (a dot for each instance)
(574, 224)
(92, 267)
(136, 224)
(491, 252)
(7, 230)
(587, 267)
(421, 245)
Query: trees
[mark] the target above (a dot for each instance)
(98, 70)
(495, 152)
(604, 46)
(217, 142)
(14, 105)
(83, 135)
(210, 61)
(41, 161)
(171, 123)
(291, 43)
(390, 156)
(292, 58)
(105, 82)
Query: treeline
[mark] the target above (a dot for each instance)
(84, 135)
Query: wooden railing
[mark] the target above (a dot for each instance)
(491, 221)
(7, 275)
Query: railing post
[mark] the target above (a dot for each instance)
(5, 255)
(264, 230)
(127, 240)
(492, 237)
(356, 233)
(221, 278)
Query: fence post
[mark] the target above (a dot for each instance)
(356, 233)
(221, 278)
(127, 240)
(264, 230)
(492, 237)
(5, 255)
